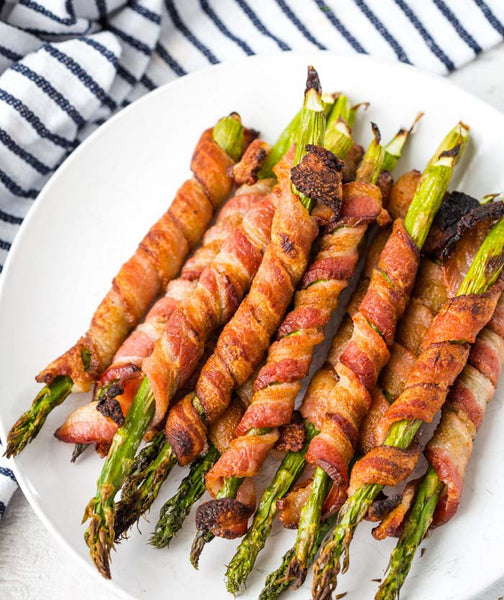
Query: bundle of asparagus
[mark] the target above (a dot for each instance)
(242, 279)
(284, 262)
(139, 492)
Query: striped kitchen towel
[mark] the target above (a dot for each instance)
(67, 65)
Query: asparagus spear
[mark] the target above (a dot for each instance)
(228, 134)
(342, 118)
(312, 129)
(415, 529)
(101, 510)
(176, 509)
(420, 518)
(291, 467)
(278, 581)
(482, 274)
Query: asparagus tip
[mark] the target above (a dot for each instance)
(376, 132)
(296, 573)
(361, 105)
(313, 81)
(99, 536)
(414, 125)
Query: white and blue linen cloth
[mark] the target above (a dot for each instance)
(67, 65)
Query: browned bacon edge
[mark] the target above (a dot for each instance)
(156, 261)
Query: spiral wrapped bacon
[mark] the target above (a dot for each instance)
(245, 339)
(156, 261)
(290, 356)
(340, 395)
(445, 351)
(86, 425)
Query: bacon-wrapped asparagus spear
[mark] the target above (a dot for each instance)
(285, 258)
(449, 451)
(456, 216)
(444, 354)
(136, 500)
(156, 261)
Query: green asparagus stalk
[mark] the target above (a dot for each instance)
(484, 271)
(288, 137)
(394, 149)
(415, 529)
(78, 450)
(177, 508)
(244, 559)
(100, 534)
(27, 427)
(138, 501)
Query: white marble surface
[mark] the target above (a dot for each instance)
(32, 563)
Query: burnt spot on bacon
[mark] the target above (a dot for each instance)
(385, 183)
(382, 506)
(224, 517)
(246, 171)
(444, 228)
(482, 212)
(293, 435)
(109, 407)
(319, 177)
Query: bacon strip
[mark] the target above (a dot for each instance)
(340, 394)
(289, 358)
(451, 447)
(219, 291)
(245, 339)
(156, 261)
(445, 351)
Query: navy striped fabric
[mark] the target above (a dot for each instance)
(67, 65)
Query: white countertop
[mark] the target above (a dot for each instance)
(33, 564)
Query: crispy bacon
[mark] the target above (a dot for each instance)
(450, 448)
(339, 395)
(290, 356)
(245, 338)
(218, 293)
(391, 525)
(444, 353)
(140, 343)
(156, 261)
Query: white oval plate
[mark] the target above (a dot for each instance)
(89, 219)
